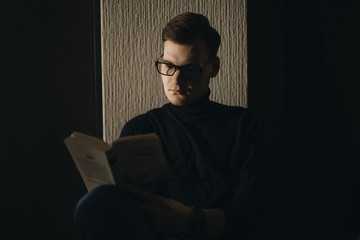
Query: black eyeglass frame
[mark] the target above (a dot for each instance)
(179, 67)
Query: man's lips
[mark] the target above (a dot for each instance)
(177, 91)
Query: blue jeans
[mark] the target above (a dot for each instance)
(109, 212)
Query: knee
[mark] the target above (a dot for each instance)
(101, 199)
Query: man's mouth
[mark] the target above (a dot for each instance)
(178, 91)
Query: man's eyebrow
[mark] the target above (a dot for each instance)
(186, 65)
(166, 61)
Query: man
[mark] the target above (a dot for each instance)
(211, 153)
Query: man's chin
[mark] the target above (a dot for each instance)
(180, 100)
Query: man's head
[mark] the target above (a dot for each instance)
(191, 44)
(189, 27)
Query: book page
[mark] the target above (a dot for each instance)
(91, 162)
(140, 158)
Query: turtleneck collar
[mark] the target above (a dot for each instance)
(201, 106)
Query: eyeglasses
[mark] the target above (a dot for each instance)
(169, 69)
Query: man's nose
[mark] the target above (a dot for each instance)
(178, 77)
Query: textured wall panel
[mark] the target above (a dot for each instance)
(131, 41)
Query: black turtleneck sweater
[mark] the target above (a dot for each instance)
(212, 154)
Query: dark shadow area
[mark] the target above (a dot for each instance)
(48, 89)
(303, 83)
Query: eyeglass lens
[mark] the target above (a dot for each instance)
(168, 69)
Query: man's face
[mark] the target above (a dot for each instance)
(181, 90)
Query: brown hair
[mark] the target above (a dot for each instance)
(188, 27)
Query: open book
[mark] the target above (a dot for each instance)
(135, 159)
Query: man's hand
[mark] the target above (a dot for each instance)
(168, 217)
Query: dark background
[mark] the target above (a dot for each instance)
(50, 87)
(303, 85)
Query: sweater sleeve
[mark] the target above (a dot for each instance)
(244, 214)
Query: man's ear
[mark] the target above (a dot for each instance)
(215, 67)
